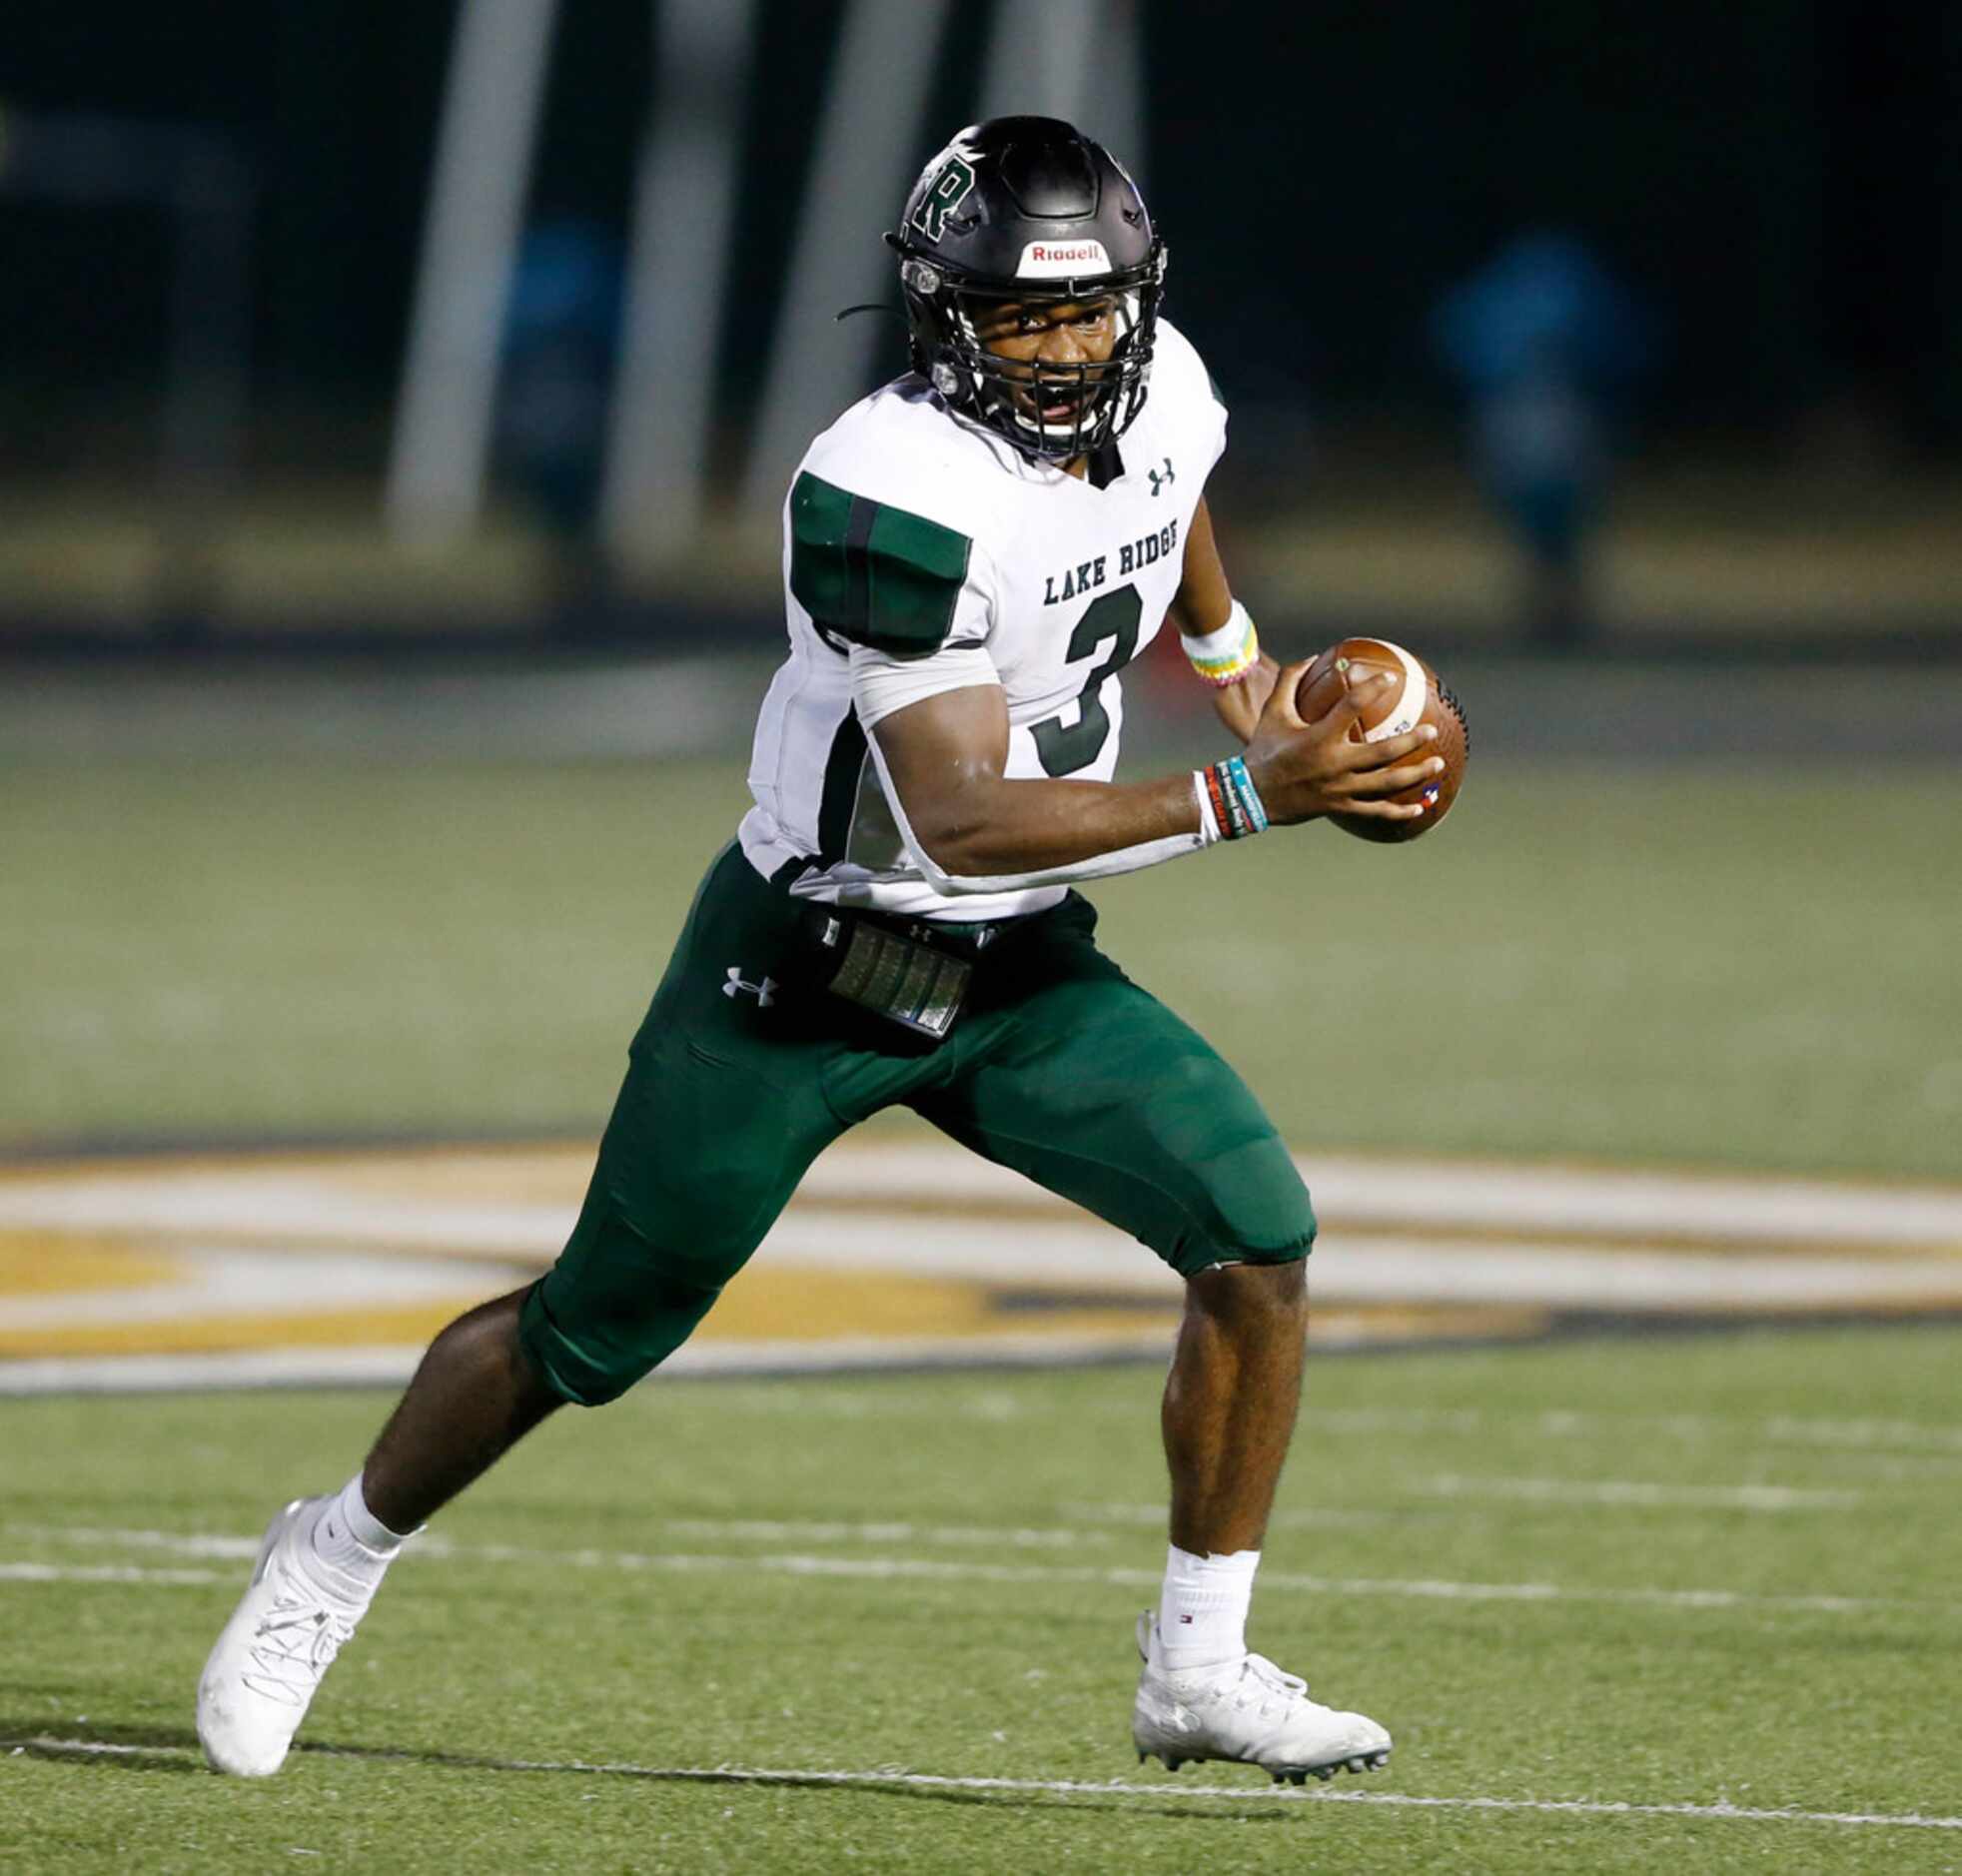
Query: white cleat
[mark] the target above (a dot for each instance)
(1249, 1711)
(268, 1662)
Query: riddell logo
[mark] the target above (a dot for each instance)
(1060, 260)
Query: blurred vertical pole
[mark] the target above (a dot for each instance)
(477, 204)
(1115, 112)
(1779, 145)
(867, 147)
(1039, 58)
(205, 402)
(1947, 270)
(1075, 59)
(209, 193)
(657, 451)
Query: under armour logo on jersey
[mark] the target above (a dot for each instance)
(762, 992)
(1168, 475)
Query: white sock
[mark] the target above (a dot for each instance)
(1202, 1611)
(351, 1542)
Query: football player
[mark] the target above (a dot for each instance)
(972, 556)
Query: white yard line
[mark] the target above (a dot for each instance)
(1586, 1422)
(390, 1367)
(101, 1573)
(736, 1529)
(1864, 1434)
(1059, 1787)
(371, 1367)
(819, 1530)
(1314, 1518)
(1629, 1491)
(940, 1569)
(1632, 1494)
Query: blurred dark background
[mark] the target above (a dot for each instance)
(1774, 187)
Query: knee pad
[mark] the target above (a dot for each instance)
(596, 1326)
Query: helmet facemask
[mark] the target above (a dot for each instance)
(1052, 413)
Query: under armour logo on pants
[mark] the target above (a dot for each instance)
(762, 992)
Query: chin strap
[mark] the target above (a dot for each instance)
(868, 306)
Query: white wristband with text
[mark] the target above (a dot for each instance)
(1209, 822)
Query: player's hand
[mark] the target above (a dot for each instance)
(1305, 769)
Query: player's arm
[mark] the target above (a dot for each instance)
(912, 598)
(1202, 609)
(979, 831)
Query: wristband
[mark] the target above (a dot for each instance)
(1209, 819)
(1225, 657)
(1228, 803)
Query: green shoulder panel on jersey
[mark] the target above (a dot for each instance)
(874, 574)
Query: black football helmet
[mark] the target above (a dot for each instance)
(1029, 211)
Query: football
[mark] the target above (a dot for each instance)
(1416, 697)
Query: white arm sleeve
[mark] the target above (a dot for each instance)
(1096, 867)
(881, 684)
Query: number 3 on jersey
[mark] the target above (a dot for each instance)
(1067, 748)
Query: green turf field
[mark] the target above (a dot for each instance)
(1691, 1573)
(1688, 1575)
(1694, 963)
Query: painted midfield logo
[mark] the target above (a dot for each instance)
(762, 992)
(1167, 476)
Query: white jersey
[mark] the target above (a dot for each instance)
(923, 555)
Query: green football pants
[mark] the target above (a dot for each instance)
(746, 1070)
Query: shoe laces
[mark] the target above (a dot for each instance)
(1261, 1680)
(296, 1642)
